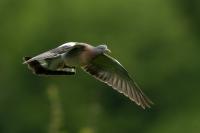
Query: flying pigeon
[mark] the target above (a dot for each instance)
(96, 61)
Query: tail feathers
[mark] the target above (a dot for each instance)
(38, 69)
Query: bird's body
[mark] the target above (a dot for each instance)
(79, 56)
(94, 60)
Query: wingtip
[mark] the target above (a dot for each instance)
(143, 101)
(147, 105)
(26, 59)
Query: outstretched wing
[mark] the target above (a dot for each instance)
(53, 53)
(111, 72)
(38, 69)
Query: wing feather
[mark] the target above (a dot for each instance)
(110, 71)
(54, 53)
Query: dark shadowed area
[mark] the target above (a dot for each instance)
(157, 41)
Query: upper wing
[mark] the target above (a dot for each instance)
(38, 69)
(111, 72)
(53, 53)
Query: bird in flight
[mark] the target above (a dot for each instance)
(96, 61)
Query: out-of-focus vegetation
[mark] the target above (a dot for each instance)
(158, 41)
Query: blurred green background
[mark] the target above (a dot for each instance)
(158, 41)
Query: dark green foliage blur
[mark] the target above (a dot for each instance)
(158, 41)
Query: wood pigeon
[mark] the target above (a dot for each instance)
(64, 59)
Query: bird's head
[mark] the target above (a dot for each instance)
(103, 49)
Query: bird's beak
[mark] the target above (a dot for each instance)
(108, 51)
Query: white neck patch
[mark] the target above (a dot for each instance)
(69, 44)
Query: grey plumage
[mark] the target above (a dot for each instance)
(96, 62)
(36, 68)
